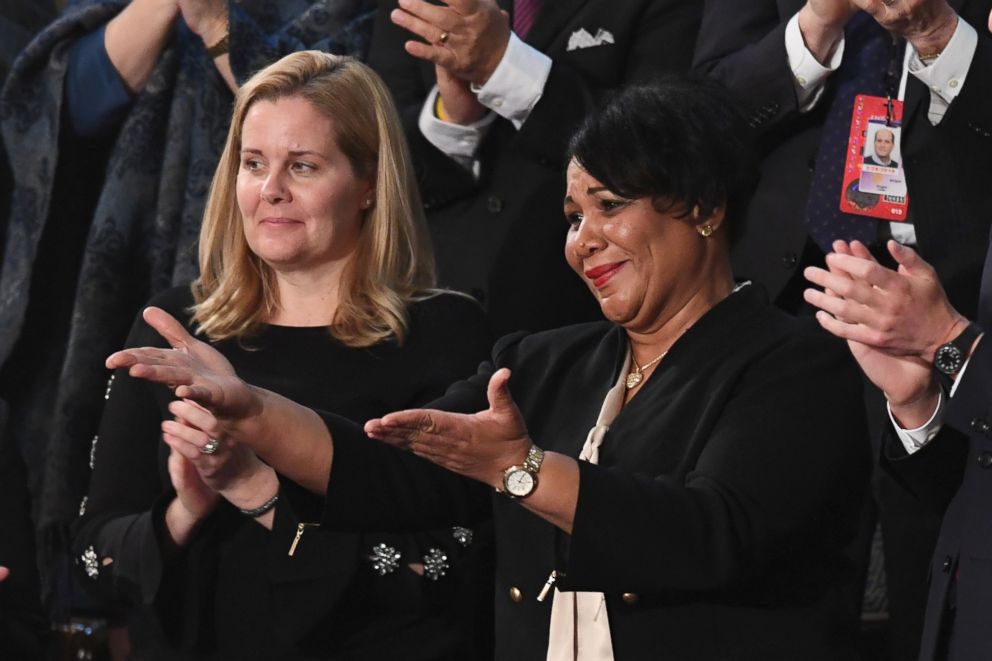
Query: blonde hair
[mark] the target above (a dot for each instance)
(393, 264)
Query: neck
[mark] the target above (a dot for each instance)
(307, 298)
(648, 344)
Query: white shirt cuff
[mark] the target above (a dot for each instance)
(808, 74)
(914, 439)
(945, 76)
(518, 82)
(457, 141)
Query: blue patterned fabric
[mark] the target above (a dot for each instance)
(137, 235)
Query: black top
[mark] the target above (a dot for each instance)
(717, 519)
(234, 592)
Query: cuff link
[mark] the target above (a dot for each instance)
(385, 559)
(435, 564)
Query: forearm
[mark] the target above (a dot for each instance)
(135, 38)
(180, 525)
(557, 492)
(289, 437)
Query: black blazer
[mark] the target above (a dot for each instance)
(743, 44)
(952, 472)
(501, 238)
(715, 521)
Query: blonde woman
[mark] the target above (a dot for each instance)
(317, 281)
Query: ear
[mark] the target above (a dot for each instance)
(714, 219)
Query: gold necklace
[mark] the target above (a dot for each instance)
(635, 377)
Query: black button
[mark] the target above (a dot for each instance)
(947, 564)
(494, 204)
(478, 295)
(789, 260)
(985, 459)
(980, 425)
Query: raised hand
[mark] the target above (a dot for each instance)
(196, 370)
(927, 24)
(466, 37)
(205, 18)
(903, 312)
(893, 322)
(479, 445)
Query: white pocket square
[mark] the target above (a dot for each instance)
(582, 39)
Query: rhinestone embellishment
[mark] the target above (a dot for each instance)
(93, 451)
(435, 564)
(385, 559)
(90, 563)
(110, 383)
(462, 535)
(82, 505)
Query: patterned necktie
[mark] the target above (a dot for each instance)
(524, 12)
(868, 52)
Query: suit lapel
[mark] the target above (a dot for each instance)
(553, 17)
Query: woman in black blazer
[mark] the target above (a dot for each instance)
(678, 481)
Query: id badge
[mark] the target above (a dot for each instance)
(874, 178)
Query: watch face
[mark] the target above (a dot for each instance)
(519, 483)
(948, 359)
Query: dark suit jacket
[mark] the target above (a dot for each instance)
(714, 523)
(743, 44)
(952, 472)
(501, 238)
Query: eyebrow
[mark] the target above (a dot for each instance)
(592, 190)
(301, 152)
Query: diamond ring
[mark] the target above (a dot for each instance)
(211, 446)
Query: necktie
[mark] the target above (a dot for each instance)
(869, 52)
(524, 12)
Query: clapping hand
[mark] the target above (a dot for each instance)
(479, 445)
(893, 321)
(195, 369)
(466, 37)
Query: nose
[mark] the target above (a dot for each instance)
(274, 189)
(588, 239)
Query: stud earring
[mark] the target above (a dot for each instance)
(705, 230)
(368, 202)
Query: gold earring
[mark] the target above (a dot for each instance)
(705, 230)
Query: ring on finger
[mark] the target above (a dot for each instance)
(443, 39)
(210, 446)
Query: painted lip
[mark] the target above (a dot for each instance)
(601, 274)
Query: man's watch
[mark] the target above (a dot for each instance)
(521, 480)
(949, 358)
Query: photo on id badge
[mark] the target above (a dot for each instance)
(881, 167)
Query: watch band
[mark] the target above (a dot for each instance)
(535, 457)
(950, 357)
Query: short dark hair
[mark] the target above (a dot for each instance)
(679, 140)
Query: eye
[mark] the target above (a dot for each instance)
(609, 205)
(251, 164)
(301, 167)
(574, 219)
